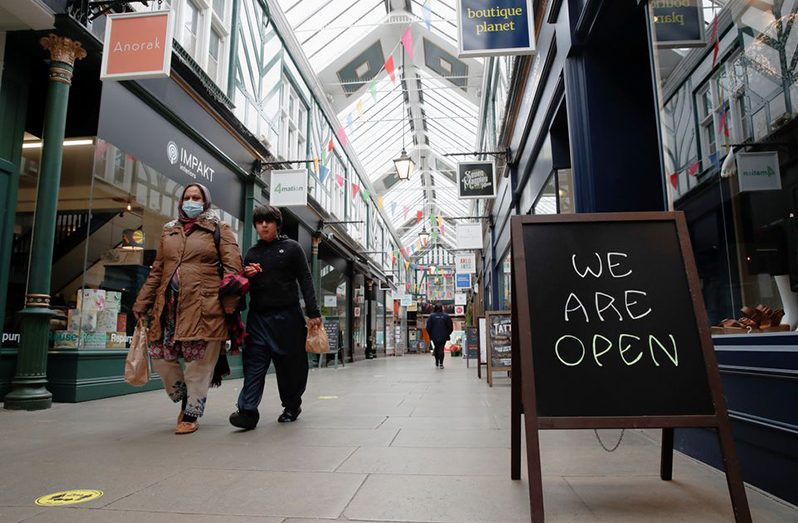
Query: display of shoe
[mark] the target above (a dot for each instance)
(289, 415)
(186, 427)
(244, 419)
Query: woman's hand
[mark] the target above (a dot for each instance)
(314, 322)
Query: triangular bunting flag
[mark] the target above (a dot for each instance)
(355, 189)
(427, 15)
(342, 136)
(379, 202)
(324, 156)
(339, 180)
(390, 69)
(323, 175)
(349, 121)
(693, 169)
(407, 41)
(330, 145)
(674, 180)
(365, 195)
(316, 165)
(405, 211)
(393, 208)
(359, 108)
(373, 89)
(419, 215)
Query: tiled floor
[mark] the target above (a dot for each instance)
(393, 439)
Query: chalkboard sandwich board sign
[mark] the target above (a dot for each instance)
(610, 331)
(499, 338)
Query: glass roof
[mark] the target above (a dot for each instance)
(431, 107)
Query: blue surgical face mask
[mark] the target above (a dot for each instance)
(192, 208)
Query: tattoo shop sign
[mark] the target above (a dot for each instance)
(289, 188)
(476, 179)
(495, 27)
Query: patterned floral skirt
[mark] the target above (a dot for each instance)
(167, 348)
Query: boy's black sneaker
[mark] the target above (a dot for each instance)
(289, 415)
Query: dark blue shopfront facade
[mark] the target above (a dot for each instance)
(585, 105)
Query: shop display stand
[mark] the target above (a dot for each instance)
(491, 366)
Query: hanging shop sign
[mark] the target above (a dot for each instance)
(476, 179)
(469, 236)
(330, 301)
(289, 188)
(460, 298)
(406, 300)
(677, 23)
(462, 281)
(137, 46)
(758, 171)
(138, 130)
(459, 310)
(465, 263)
(489, 28)
(412, 306)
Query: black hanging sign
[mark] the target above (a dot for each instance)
(476, 179)
(610, 331)
(677, 23)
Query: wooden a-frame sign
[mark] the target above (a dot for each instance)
(610, 331)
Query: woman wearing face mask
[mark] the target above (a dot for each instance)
(181, 295)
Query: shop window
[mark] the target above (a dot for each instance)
(191, 28)
(505, 283)
(706, 122)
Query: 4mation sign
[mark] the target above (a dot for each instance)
(476, 179)
(491, 27)
(289, 187)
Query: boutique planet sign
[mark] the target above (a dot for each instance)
(677, 23)
(489, 28)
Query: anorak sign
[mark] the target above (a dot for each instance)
(495, 27)
(289, 188)
(137, 46)
(758, 171)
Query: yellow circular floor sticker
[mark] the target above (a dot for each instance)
(68, 497)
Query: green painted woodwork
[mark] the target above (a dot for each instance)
(13, 106)
(83, 375)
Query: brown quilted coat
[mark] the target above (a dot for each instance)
(199, 312)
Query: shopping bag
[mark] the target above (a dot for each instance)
(137, 364)
(317, 343)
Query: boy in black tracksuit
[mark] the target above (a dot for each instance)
(275, 325)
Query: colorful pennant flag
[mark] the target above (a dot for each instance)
(692, 170)
(365, 195)
(390, 69)
(715, 44)
(355, 189)
(427, 15)
(349, 121)
(339, 180)
(330, 145)
(324, 156)
(359, 108)
(405, 211)
(393, 208)
(379, 201)
(440, 220)
(407, 41)
(674, 177)
(316, 165)
(373, 89)
(418, 216)
(342, 136)
(323, 174)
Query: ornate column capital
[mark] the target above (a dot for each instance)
(64, 52)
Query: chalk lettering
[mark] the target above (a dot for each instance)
(624, 348)
(559, 356)
(600, 309)
(595, 273)
(596, 354)
(611, 265)
(576, 308)
(631, 303)
(674, 357)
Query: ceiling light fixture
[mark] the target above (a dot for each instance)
(404, 164)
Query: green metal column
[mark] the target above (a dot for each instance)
(315, 270)
(28, 390)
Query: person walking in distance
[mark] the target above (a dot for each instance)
(276, 329)
(439, 328)
(181, 295)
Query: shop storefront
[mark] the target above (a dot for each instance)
(117, 191)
